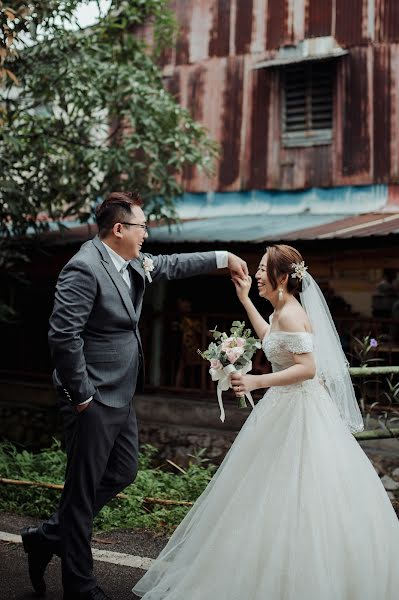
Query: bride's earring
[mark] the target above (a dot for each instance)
(280, 294)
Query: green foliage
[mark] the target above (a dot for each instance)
(389, 414)
(237, 329)
(362, 349)
(20, 19)
(49, 466)
(90, 115)
(377, 398)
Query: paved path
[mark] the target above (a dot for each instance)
(121, 558)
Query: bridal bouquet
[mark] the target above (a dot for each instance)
(229, 353)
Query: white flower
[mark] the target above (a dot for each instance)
(300, 270)
(148, 266)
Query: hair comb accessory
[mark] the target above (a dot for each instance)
(299, 270)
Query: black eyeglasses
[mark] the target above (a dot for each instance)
(145, 227)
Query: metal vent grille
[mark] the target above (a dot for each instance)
(308, 103)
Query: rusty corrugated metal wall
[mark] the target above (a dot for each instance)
(211, 71)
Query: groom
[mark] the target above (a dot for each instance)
(96, 349)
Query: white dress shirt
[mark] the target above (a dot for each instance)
(222, 259)
(120, 263)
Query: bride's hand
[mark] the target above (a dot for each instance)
(243, 383)
(242, 285)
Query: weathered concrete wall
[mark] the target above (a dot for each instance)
(176, 426)
(28, 414)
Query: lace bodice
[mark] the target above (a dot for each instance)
(279, 346)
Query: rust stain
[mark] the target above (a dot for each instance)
(243, 33)
(195, 104)
(394, 117)
(318, 18)
(195, 94)
(393, 198)
(172, 85)
(319, 166)
(220, 32)
(349, 22)
(231, 122)
(356, 141)
(166, 57)
(183, 14)
(259, 129)
(382, 112)
(276, 25)
(387, 20)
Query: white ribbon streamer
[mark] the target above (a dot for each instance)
(222, 376)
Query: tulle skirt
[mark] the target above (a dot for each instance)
(296, 511)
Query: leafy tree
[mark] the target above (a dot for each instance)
(85, 111)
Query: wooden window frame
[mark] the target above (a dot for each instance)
(307, 136)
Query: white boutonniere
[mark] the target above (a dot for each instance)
(148, 266)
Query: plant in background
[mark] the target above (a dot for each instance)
(363, 350)
(391, 394)
(132, 509)
(199, 457)
(84, 112)
(371, 390)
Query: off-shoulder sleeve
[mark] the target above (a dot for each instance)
(299, 343)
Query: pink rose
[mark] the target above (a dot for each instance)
(240, 342)
(228, 343)
(231, 356)
(215, 363)
(234, 354)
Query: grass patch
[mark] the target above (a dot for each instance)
(160, 482)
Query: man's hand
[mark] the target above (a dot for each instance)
(237, 266)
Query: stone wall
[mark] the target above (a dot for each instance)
(28, 414)
(181, 426)
(176, 426)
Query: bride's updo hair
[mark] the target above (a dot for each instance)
(279, 263)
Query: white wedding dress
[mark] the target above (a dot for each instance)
(296, 511)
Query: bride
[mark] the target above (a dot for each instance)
(296, 510)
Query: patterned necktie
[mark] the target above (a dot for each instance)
(125, 274)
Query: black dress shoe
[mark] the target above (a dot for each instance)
(95, 593)
(39, 557)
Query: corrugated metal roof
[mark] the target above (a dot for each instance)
(264, 216)
(259, 228)
(356, 226)
(317, 201)
(259, 216)
(245, 228)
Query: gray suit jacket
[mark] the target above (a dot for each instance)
(94, 339)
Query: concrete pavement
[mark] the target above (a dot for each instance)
(116, 558)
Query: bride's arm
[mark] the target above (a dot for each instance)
(304, 366)
(259, 324)
(303, 369)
